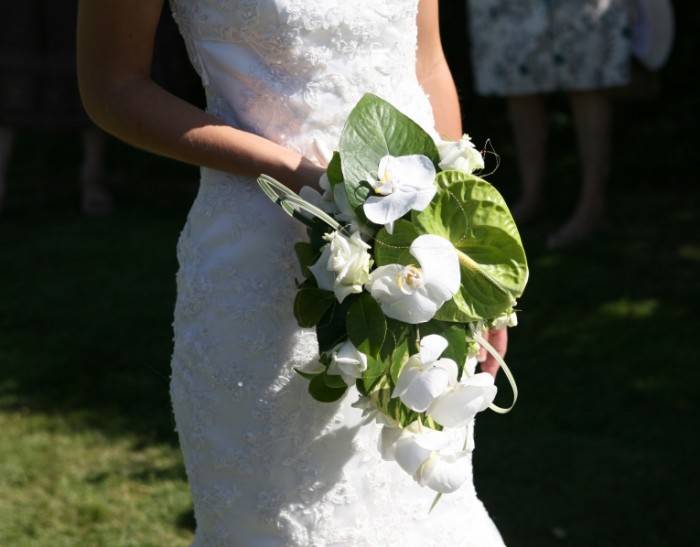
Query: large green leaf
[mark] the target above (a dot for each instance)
(366, 325)
(307, 255)
(330, 330)
(373, 130)
(470, 213)
(310, 305)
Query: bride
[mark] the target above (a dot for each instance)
(267, 465)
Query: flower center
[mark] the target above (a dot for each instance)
(410, 279)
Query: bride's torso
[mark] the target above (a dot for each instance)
(291, 70)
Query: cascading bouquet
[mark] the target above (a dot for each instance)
(410, 258)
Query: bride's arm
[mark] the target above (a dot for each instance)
(115, 49)
(434, 74)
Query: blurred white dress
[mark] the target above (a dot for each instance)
(267, 465)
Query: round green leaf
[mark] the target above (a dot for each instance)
(320, 391)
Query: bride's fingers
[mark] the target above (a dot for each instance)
(498, 338)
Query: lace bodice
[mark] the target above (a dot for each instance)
(291, 70)
(267, 465)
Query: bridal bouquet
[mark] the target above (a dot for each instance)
(410, 258)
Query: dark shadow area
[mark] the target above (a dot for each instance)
(599, 449)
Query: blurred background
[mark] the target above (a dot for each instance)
(601, 447)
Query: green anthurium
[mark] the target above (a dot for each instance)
(470, 213)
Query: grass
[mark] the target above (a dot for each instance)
(599, 451)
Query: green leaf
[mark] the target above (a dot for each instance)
(471, 213)
(307, 255)
(366, 325)
(373, 130)
(394, 248)
(310, 305)
(400, 343)
(307, 375)
(334, 170)
(334, 381)
(320, 391)
(330, 330)
(373, 374)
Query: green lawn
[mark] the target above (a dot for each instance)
(599, 451)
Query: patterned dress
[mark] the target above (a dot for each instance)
(522, 47)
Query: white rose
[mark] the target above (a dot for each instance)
(460, 155)
(344, 264)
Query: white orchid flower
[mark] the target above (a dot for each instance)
(348, 362)
(343, 266)
(460, 155)
(461, 401)
(427, 456)
(403, 183)
(425, 376)
(387, 441)
(413, 295)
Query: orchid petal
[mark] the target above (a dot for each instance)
(424, 389)
(458, 406)
(425, 377)
(409, 454)
(444, 473)
(403, 183)
(431, 348)
(387, 442)
(438, 259)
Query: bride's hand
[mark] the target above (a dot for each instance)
(307, 173)
(498, 338)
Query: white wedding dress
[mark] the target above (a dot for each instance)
(267, 465)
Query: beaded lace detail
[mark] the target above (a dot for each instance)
(297, 55)
(267, 465)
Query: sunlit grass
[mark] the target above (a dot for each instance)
(63, 486)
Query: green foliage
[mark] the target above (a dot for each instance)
(366, 325)
(311, 304)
